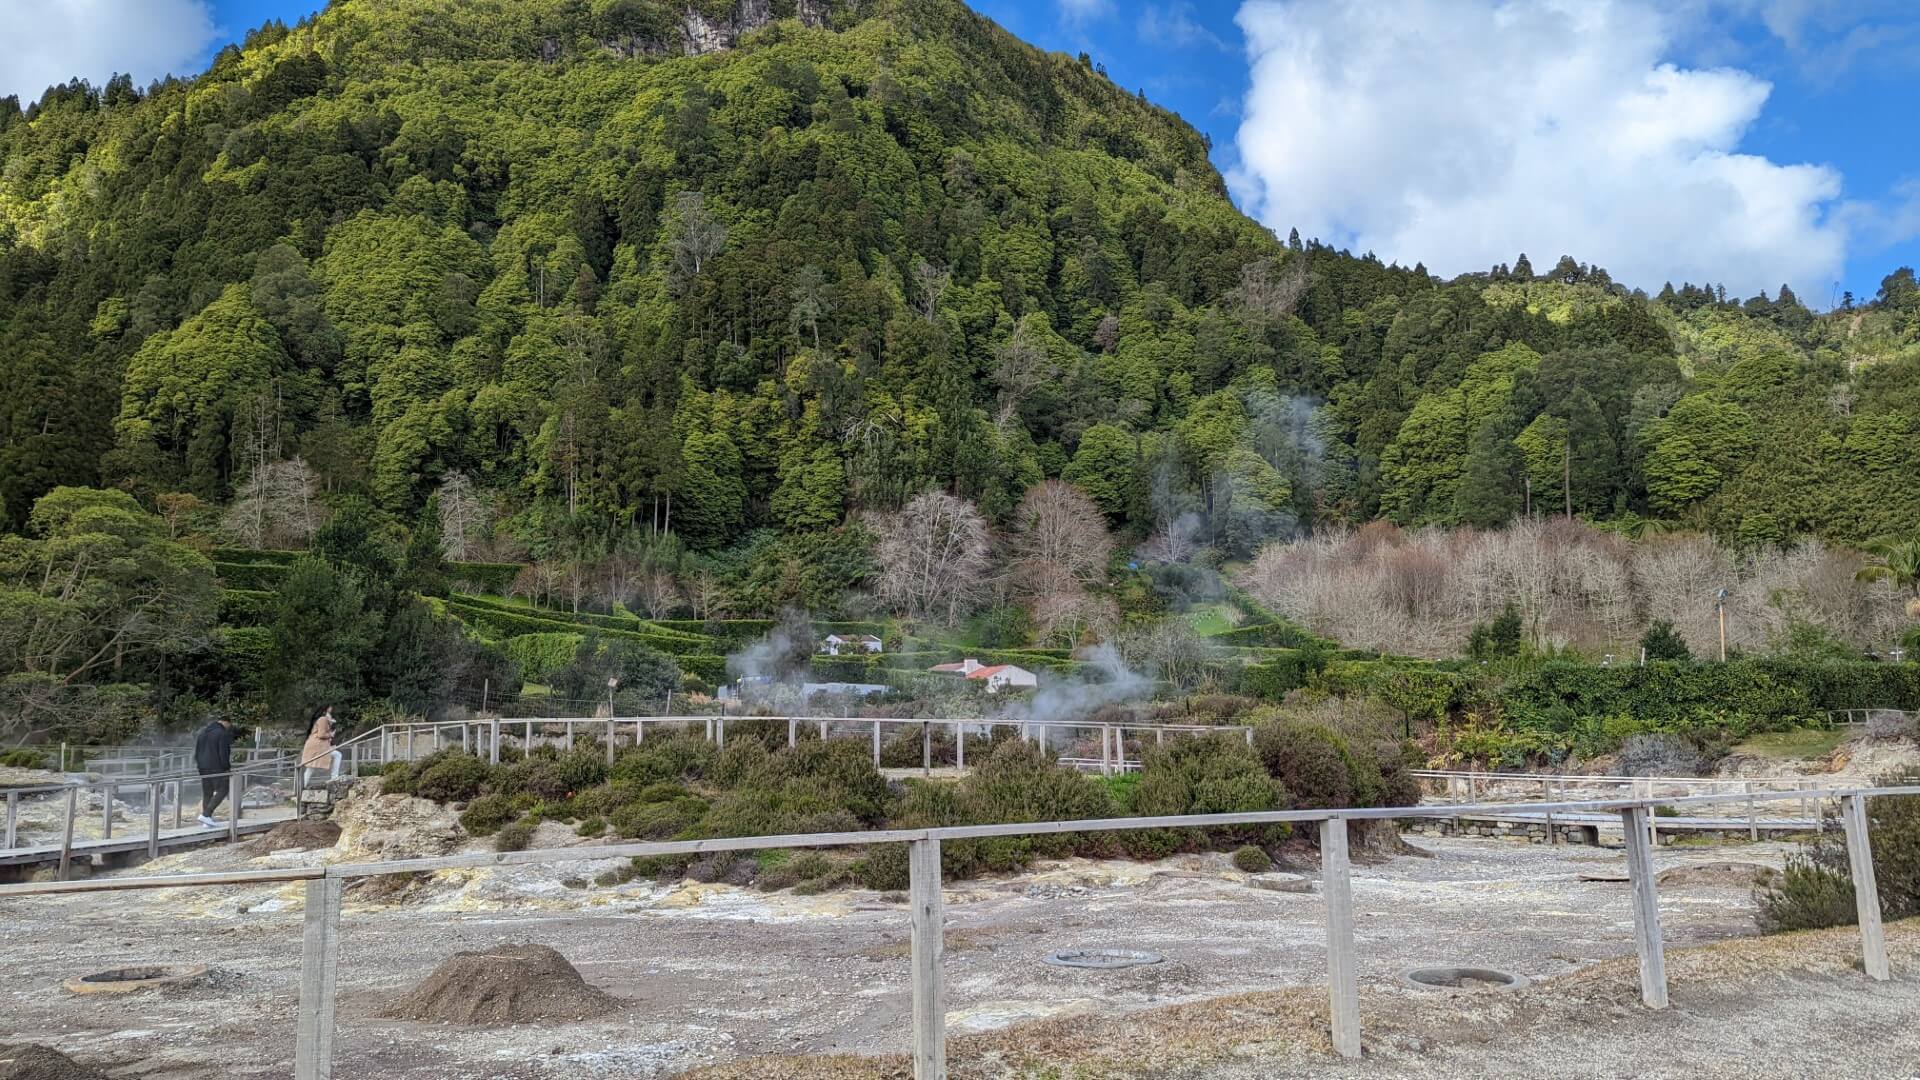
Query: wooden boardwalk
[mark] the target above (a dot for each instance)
(139, 839)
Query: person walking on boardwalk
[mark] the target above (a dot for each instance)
(213, 756)
(318, 753)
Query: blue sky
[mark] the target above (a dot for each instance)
(1748, 142)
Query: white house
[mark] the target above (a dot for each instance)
(997, 677)
(836, 645)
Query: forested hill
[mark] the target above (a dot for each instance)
(721, 266)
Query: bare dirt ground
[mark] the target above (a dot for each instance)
(714, 976)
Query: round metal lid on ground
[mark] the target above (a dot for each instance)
(1102, 959)
(143, 977)
(1463, 978)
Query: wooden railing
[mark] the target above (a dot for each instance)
(313, 1053)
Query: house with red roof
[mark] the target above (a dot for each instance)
(996, 677)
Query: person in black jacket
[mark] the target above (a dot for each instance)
(213, 755)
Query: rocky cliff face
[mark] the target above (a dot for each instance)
(701, 35)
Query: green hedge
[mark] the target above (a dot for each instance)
(244, 652)
(1276, 635)
(1742, 696)
(248, 607)
(504, 621)
(727, 634)
(491, 577)
(264, 556)
(709, 669)
(250, 576)
(540, 655)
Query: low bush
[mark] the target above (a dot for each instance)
(538, 777)
(23, 759)
(583, 768)
(1816, 889)
(1312, 762)
(593, 826)
(674, 758)
(454, 778)
(1252, 860)
(514, 837)
(486, 815)
(657, 820)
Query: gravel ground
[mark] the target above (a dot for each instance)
(714, 974)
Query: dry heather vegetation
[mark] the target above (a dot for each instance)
(683, 787)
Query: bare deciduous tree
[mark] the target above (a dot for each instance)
(463, 516)
(932, 282)
(277, 505)
(1422, 592)
(1059, 534)
(694, 235)
(1270, 291)
(1021, 366)
(933, 556)
(708, 597)
(657, 593)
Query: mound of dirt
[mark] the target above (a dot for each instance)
(31, 1061)
(305, 834)
(1719, 875)
(513, 984)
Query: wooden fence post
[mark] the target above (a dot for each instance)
(1866, 891)
(926, 749)
(960, 745)
(13, 817)
(66, 836)
(1343, 991)
(153, 820)
(1646, 908)
(319, 957)
(928, 951)
(106, 809)
(876, 744)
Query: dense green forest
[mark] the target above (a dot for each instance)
(548, 281)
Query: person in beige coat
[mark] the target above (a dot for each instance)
(318, 753)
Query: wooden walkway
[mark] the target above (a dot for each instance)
(141, 840)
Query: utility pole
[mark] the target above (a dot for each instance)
(1566, 465)
(1720, 602)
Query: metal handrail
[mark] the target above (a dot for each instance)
(156, 787)
(313, 1055)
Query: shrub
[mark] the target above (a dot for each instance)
(1252, 860)
(592, 826)
(1207, 774)
(584, 768)
(657, 820)
(1312, 762)
(661, 867)
(454, 778)
(1816, 889)
(1809, 895)
(397, 778)
(807, 866)
(24, 759)
(536, 776)
(486, 814)
(674, 757)
(514, 837)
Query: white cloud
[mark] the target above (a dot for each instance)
(1175, 25)
(1461, 132)
(1079, 11)
(52, 41)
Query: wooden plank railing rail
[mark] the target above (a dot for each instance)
(313, 1058)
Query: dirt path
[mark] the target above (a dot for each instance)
(714, 974)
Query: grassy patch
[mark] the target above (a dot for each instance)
(1803, 744)
(1212, 619)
